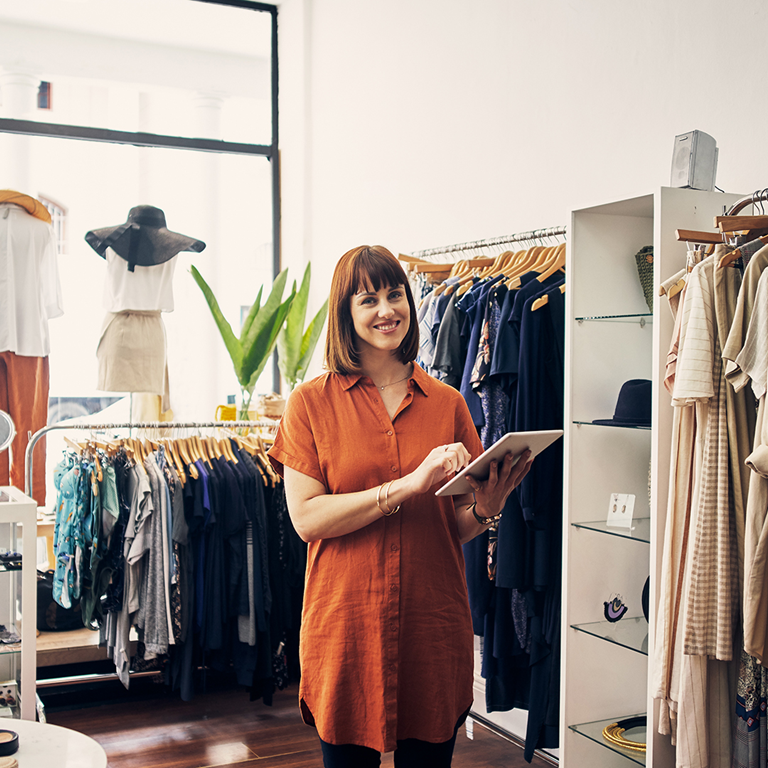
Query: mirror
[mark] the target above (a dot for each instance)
(7, 430)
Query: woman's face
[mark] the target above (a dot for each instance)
(381, 318)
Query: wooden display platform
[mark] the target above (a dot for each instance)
(74, 647)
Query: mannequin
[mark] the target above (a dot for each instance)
(141, 259)
(30, 295)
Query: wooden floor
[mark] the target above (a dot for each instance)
(149, 727)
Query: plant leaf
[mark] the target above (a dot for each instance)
(264, 331)
(289, 341)
(231, 341)
(252, 312)
(250, 327)
(309, 342)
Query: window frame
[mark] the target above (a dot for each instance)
(140, 139)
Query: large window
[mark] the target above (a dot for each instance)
(163, 102)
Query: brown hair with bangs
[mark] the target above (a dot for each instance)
(364, 266)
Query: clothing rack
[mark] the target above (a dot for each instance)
(132, 425)
(759, 196)
(473, 245)
(111, 676)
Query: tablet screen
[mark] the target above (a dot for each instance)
(514, 443)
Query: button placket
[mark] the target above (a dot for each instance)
(390, 617)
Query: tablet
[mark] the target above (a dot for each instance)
(514, 443)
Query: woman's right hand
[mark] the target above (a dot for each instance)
(439, 464)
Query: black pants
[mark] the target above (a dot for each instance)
(410, 753)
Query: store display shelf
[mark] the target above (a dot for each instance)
(640, 530)
(642, 319)
(610, 426)
(9, 648)
(628, 633)
(594, 731)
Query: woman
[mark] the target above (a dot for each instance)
(386, 639)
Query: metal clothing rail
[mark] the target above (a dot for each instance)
(131, 425)
(759, 196)
(472, 245)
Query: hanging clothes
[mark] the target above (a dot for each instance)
(712, 564)
(192, 565)
(507, 361)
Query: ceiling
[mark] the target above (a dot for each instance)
(177, 23)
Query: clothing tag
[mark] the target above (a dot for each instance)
(469, 724)
(620, 510)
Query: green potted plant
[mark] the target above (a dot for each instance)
(296, 344)
(258, 337)
(277, 322)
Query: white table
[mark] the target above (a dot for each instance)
(42, 745)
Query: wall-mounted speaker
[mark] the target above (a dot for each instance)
(694, 161)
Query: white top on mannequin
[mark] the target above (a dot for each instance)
(30, 292)
(145, 289)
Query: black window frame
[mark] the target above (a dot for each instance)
(140, 139)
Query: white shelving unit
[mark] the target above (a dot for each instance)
(18, 597)
(611, 337)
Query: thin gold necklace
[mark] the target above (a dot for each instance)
(395, 382)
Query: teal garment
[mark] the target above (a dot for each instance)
(68, 521)
(98, 526)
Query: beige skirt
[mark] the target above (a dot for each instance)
(132, 354)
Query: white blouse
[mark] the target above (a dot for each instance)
(30, 292)
(145, 289)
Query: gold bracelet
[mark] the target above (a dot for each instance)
(386, 501)
(483, 520)
(378, 499)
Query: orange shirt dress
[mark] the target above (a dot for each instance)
(386, 638)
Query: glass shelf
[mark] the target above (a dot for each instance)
(640, 530)
(594, 731)
(628, 633)
(614, 426)
(642, 319)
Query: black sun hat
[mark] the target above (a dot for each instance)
(144, 239)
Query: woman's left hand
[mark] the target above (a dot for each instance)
(504, 477)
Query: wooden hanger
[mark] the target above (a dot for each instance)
(694, 236)
(172, 454)
(556, 263)
(758, 224)
(524, 262)
(214, 449)
(183, 448)
(260, 454)
(515, 265)
(676, 288)
(224, 449)
(544, 300)
(410, 260)
(99, 475)
(532, 257)
(542, 258)
(202, 447)
(732, 256)
(494, 267)
(76, 447)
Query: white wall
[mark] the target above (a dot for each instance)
(418, 123)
